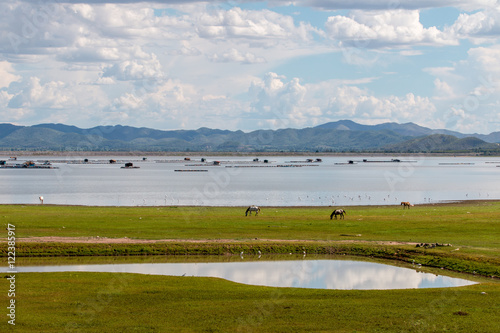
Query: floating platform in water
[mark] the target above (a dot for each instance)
(129, 165)
(191, 170)
(456, 163)
(272, 166)
(27, 167)
(309, 160)
(394, 160)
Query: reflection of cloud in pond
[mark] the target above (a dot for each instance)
(321, 274)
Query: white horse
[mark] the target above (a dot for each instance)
(41, 199)
(252, 209)
(336, 212)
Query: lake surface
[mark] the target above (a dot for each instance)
(318, 274)
(238, 181)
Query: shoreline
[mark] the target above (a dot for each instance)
(437, 203)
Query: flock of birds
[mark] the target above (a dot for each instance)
(259, 253)
(323, 200)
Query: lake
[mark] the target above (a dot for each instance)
(318, 274)
(240, 181)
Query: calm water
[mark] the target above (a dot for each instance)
(239, 181)
(319, 274)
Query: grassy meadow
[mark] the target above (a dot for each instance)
(113, 302)
(473, 224)
(95, 302)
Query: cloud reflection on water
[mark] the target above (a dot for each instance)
(319, 274)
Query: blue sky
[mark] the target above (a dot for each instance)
(250, 64)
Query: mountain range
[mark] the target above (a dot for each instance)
(339, 136)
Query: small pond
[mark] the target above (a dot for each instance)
(319, 274)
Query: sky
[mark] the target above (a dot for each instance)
(248, 65)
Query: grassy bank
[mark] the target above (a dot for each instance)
(444, 258)
(472, 228)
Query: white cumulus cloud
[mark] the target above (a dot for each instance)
(135, 69)
(7, 75)
(389, 28)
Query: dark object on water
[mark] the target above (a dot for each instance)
(395, 160)
(129, 166)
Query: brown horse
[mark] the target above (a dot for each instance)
(406, 204)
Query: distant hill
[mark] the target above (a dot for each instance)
(442, 143)
(340, 136)
(6, 129)
(409, 129)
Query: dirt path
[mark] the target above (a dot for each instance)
(125, 240)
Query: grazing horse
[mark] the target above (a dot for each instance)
(406, 204)
(252, 209)
(336, 212)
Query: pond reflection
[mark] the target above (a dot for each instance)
(319, 274)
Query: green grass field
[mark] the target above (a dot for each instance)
(474, 224)
(90, 302)
(96, 302)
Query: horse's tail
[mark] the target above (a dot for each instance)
(344, 212)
